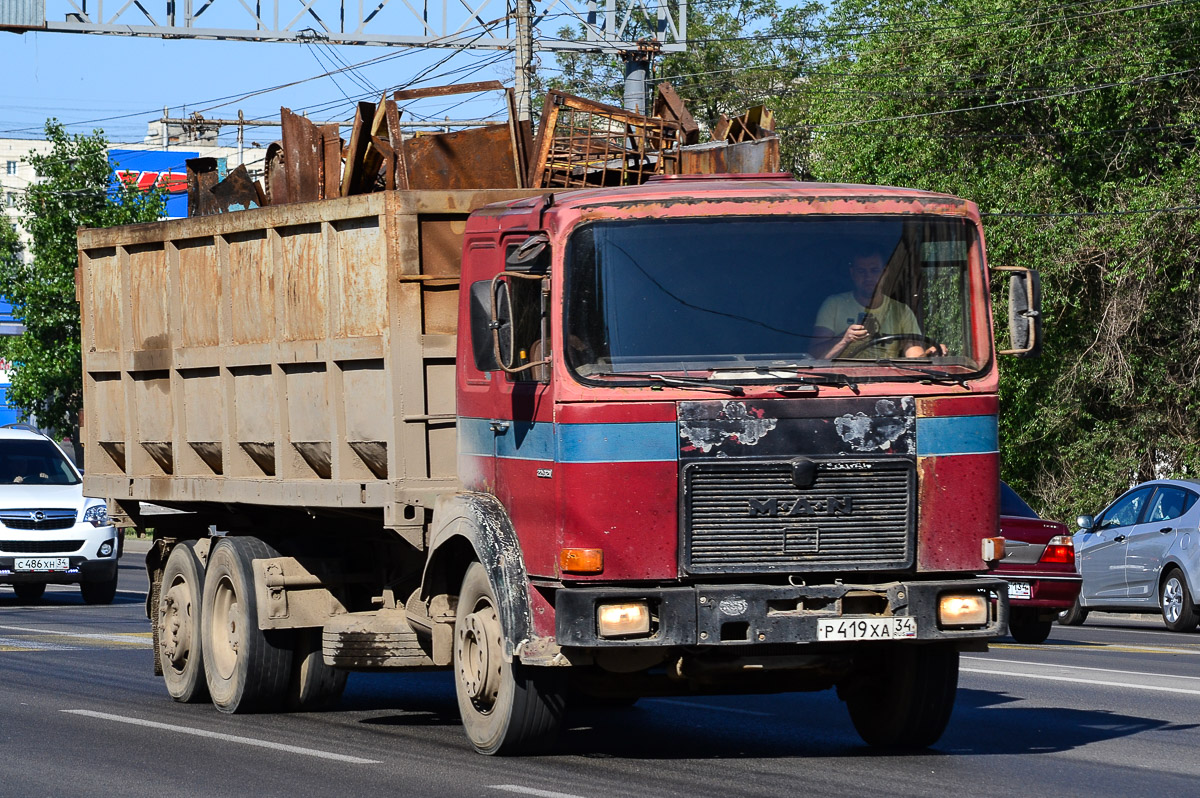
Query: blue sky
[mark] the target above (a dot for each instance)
(120, 83)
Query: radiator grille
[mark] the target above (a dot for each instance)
(40, 546)
(750, 518)
(38, 519)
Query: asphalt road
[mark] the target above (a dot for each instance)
(1106, 709)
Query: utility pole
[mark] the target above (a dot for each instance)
(523, 50)
(637, 75)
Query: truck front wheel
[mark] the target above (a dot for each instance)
(506, 708)
(179, 625)
(247, 669)
(904, 696)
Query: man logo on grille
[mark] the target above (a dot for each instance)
(782, 508)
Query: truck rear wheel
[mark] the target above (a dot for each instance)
(506, 708)
(179, 649)
(315, 685)
(247, 669)
(904, 698)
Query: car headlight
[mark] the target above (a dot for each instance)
(96, 515)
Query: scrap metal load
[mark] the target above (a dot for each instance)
(579, 143)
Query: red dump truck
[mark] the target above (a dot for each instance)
(703, 435)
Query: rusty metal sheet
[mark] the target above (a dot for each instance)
(331, 161)
(362, 160)
(585, 143)
(668, 105)
(477, 158)
(302, 156)
(718, 157)
(202, 175)
(756, 123)
(443, 91)
(275, 183)
(237, 192)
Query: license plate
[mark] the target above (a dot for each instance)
(41, 564)
(1020, 590)
(867, 628)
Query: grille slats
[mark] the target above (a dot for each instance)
(40, 546)
(27, 519)
(738, 518)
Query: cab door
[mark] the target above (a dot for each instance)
(1102, 549)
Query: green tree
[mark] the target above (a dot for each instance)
(72, 191)
(1073, 128)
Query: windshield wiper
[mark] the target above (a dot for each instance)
(933, 375)
(677, 382)
(771, 376)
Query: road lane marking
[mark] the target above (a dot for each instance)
(692, 705)
(1052, 673)
(1088, 647)
(139, 639)
(531, 791)
(21, 644)
(1078, 668)
(250, 741)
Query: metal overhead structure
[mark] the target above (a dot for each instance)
(637, 30)
(608, 25)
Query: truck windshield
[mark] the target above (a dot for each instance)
(744, 298)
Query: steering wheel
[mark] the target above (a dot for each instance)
(883, 340)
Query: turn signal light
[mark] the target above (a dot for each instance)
(968, 610)
(993, 549)
(1060, 549)
(581, 561)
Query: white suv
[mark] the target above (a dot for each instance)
(49, 533)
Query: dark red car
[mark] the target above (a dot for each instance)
(1039, 564)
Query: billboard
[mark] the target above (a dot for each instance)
(144, 168)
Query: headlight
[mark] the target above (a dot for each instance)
(967, 610)
(618, 620)
(96, 515)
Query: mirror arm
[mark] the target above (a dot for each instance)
(494, 323)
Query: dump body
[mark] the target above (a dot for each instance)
(295, 355)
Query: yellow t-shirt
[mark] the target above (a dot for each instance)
(840, 311)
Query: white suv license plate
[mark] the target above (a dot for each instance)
(896, 628)
(1020, 590)
(41, 564)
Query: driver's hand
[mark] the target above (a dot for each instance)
(933, 351)
(855, 333)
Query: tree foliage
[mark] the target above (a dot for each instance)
(1073, 128)
(72, 191)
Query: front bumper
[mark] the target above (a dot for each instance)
(84, 563)
(740, 615)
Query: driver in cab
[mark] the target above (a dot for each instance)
(865, 317)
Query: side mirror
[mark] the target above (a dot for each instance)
(517, 323)
(1085, 522)
(1024, 311)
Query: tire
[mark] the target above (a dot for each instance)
(904, 698)
(1175, 599)
(246, 669)
(506, 708)
(315, 686)
(29, 592)
(180, 653)
(1026, 627)
(99, 592)
(1074, 616)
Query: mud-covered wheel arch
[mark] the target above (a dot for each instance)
(474, 527)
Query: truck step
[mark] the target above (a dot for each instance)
(369, 640)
